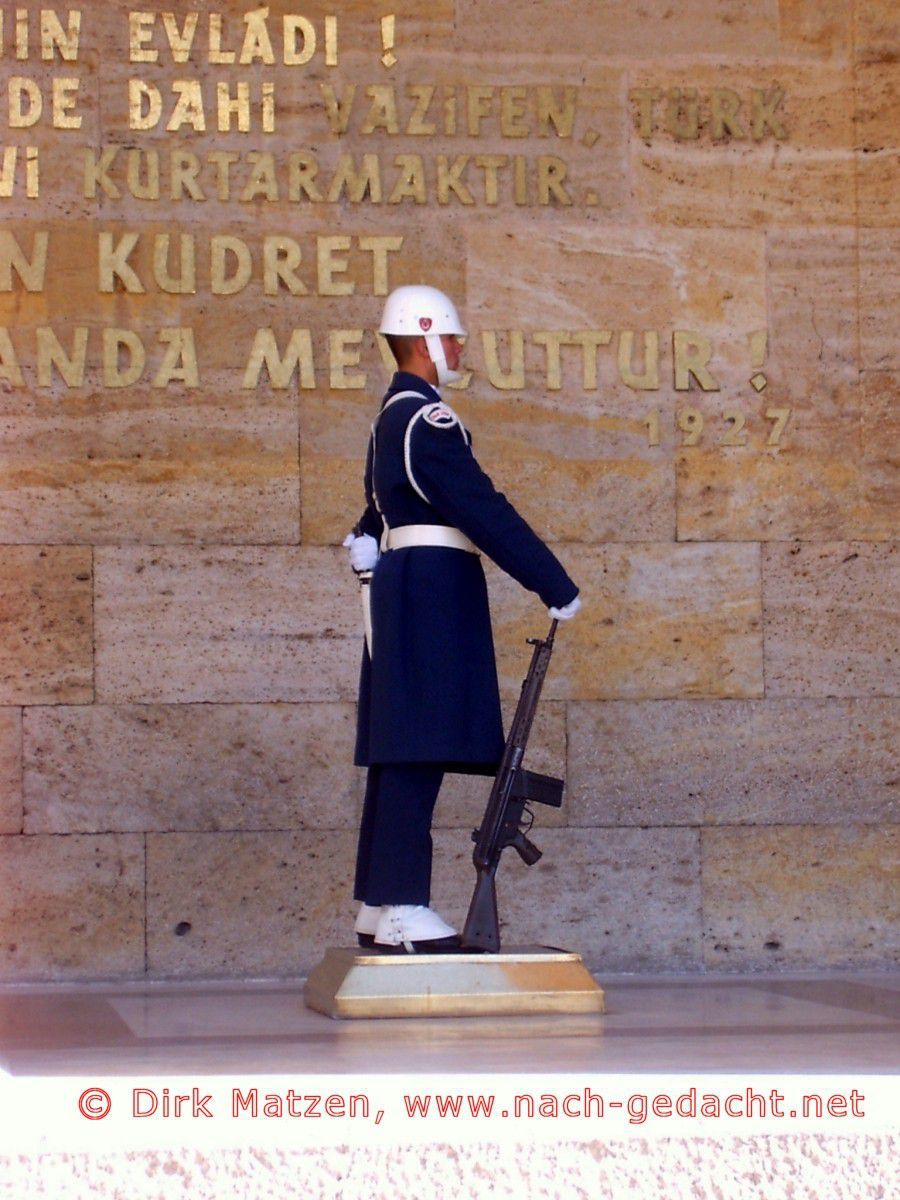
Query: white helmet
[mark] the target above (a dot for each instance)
(417, 310)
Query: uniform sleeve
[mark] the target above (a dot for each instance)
(446, 471)
(370, 522)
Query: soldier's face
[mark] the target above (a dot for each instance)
(452, 350)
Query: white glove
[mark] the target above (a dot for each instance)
(567, 611)
(363, 551)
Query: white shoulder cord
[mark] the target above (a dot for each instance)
(407, 445)
(398, 396)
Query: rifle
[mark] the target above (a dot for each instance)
(502, 824)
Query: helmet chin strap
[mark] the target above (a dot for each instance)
(436, 353)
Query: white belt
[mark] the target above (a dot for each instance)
(429, 535)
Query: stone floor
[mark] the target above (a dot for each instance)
(786, 1023)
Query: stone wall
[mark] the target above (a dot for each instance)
(674, 233)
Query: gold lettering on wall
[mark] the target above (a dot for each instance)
(52, 37)
(722, 114)
(590, 341)
(230, 265)
(9, 363)
(646, 380)
(344, 352)
(26, 105)
(51, 353)
(370, 178)
(30, 269)
(12, 167)
(184, 283)
(692, 352)
(344, 265)
(477, 110)
(179, 363)
(265, 355)
(733, 432)
(513, 377)
(281, 258)
(552, 173)
(238, 105)
(267, 40)
(123, 358)
(168, 90)
(329, 264)
(112, 263)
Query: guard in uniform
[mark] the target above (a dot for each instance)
(428, 699)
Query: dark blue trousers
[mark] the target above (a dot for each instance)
(393, 861)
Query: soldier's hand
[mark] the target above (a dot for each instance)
(567, 611)
(363, 551)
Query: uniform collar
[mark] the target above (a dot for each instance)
(405, 381)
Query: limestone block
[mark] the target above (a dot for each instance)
(46, 650)
(799, 897)
(335, 429)
(812, 347)
(10, 770)
(878, 163)
(816, 29)
(694, 27)
(810, 484)
(71, 907)
(196, 767)
(626, 899)
(245, 904)
(733, 762)
(830, 612)
(225, 624)
(463, 797)
(881, 452)
(587, 477)
(879, 296)
(170, 466)
(575, 451)
(876, 31)
(799, 493)
(658, 621)
(878, 178)
(804, 177)
(620, 279)
(876, 99)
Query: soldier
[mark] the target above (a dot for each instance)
(428, 699)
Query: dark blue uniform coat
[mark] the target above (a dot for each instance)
(430, 694)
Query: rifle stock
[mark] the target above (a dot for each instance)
(512, 790)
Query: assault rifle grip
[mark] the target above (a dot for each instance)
(526, 850)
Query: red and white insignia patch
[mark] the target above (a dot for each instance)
(424, 324)
(441, 417)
